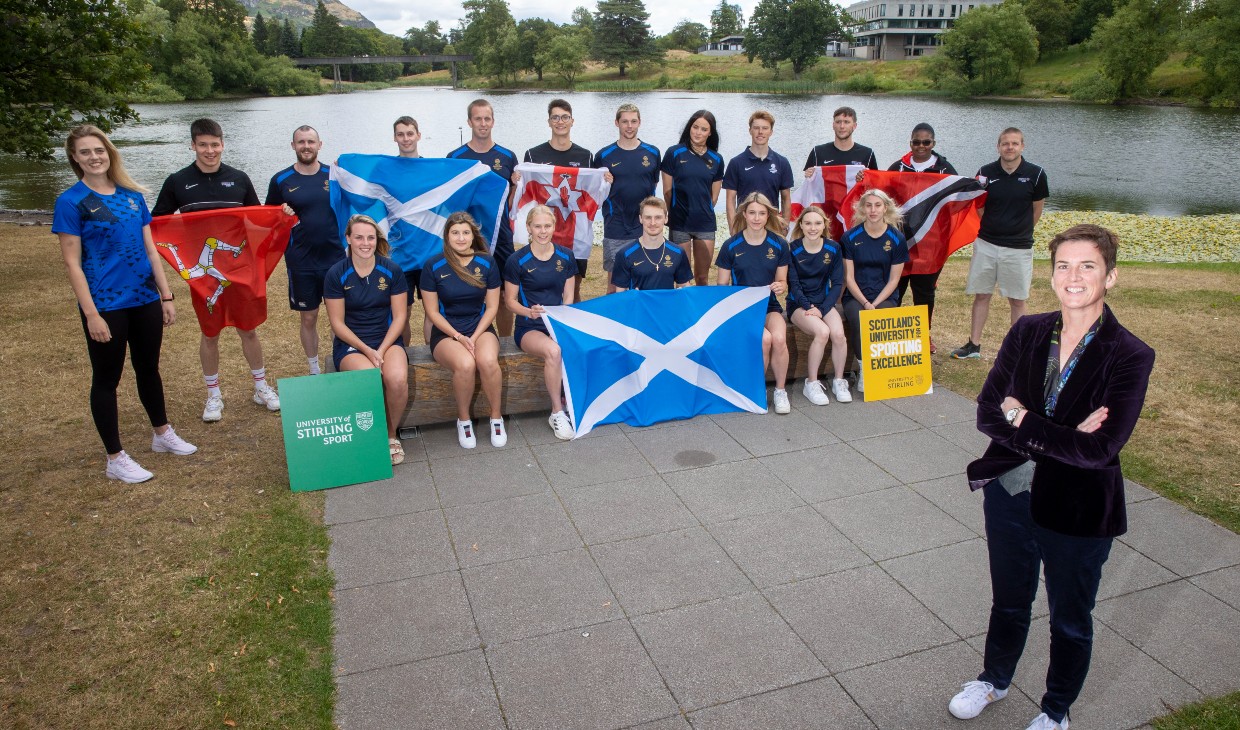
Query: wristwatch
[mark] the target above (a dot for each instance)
(171, 296)
(1012, 415)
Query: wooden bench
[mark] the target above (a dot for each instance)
(430, 384)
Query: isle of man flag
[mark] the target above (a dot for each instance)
(574, 194)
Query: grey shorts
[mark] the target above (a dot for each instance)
(611, 247)
(1011, 269)
(686, 236)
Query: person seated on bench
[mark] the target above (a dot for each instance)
(365, 296)
(460, 291)
(539, 276)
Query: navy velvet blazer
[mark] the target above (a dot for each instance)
(1077, 485)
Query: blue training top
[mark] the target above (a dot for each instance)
(815, 280)
(872, 260)
(636, 174)
(538, 281)
(460, 302)
(114, 257)
(660, 268)
(314, 244)
(367, 299)
(692, 177)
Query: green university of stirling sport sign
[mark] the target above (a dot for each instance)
(335, 429)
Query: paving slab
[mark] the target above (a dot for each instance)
(828, 472)
(1127, 570)
(893, 522)
(487, 476)
(445, 693)
(1222, 584)
(915, 456)
(953, 496)
(965, 435)
(1134, 492)
(726, 649)
(1178, 539)
(675, 722)
(507, 529)
(596, 677)
(938, 408)
(389, 548)
(409, 490)
(607, 458)
(819, 703)
(440, 440)
(697, 443)
(622, 510)
(770, 433)
(789, 545)
(727, 491)
(860, 420)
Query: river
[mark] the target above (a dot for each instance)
(1136, 159)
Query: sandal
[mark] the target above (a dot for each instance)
(396, 451)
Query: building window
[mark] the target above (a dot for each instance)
(942, 10)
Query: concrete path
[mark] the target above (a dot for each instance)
(819, 570)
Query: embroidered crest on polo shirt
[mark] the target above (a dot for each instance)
(770, 253)
(826, 257)
(498, 165)
(645, 160)
(227, 184)
(887, 246)
(774, 169)
(383, 285)
(559, 265)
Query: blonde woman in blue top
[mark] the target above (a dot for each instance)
(815, 281)
(460, 290)
(122, 295)
(758, 256)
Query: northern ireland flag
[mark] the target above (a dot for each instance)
(940, 212)
(827, 188)
(226, 257)
(574, 194)
(643, 357)
(411, 199)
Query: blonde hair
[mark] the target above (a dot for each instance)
(477, 245)
(774, 221)
(892, 216)
(116, 169)
(382, 248)
(538, 210)
(826, 222)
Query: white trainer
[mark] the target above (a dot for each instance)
(1042, 722)
(214, 410)
(839, 386)
(126, 470)
(973, 698)
(465, 434)
(499, 436)
(561, 426)
(265, 395)
(782, 406)
(169, 442)
(815, 393)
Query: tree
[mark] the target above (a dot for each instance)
(290, 41)
(1052, 19)
(1214, 45)
(686, 36)
(565, 56)
(536, 35)
(1085, 17)
(65, 63)
(622, 35)
(792, 30)
(428, 39)
(260, 35)
(726, 20)
(988, 47)
(484, 29)
(1135, 40)
(325, 36)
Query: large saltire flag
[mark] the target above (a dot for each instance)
(643, 357)
(411, 198)
(226, 257)
(940, 212)
(574, 194)
(827, 187)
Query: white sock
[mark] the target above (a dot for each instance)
(314, 365)
(260, 377)
(213, 385)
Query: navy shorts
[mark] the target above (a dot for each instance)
(519, 332)
(772, 305)
(340, 349)
(438, 336)
(582, 264)
(413, 279)
(305, 289)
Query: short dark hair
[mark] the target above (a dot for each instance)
(406, 120)
(924, 127)
(560, 104)
(204, 126)
(845, 111)
(1104, 238)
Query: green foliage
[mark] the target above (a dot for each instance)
(278, 77)
(1135, 41)
(565, 56)
(686, 36)
(260, 35)
(1093, 87)
(862, 84)
(64, 63)
(792, 30)
(986, 50)
(325, 36)
(484, 29)
(725, 20)
(289, 41)
(1214, 45)
(1085, 16)
(622, 34)
(1052, 19)
(536, 35)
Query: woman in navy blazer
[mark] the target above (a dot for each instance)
(1060, 402)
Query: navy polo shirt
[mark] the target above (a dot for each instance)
(114, 260)
(460, 302)
(636, 174)
(829, 154)
(747, 173)
(693, 175)
(660, 268)
(815, 280)
(1008, 216)
(314, 244)
(538, 281)
(872, 260)
(367, 299)
(754, 265)
(502, 162)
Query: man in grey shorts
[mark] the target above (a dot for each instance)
(1016, 190)
(634, 168)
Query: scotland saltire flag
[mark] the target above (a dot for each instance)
(643, 357)
(411, 199)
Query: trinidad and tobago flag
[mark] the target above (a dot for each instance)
(574, 194)
(226, 257)
(940, 211)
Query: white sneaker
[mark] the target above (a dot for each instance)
(214, 410)
(265, 395)
(465, 434)
(169, 442)
(782, 406)
(815, 393)
(839, 386)
(1042, 722)
(126, 470)
(499, 437)
(562, 427)
(971, 700)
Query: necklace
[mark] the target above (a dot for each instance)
(655, 263)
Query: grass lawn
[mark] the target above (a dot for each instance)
(202, 599)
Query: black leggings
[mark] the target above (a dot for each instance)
(142, 329)
(923, 290)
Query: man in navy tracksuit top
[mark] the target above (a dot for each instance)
(634, 168)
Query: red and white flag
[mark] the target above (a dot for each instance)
(226, 257)
(574, 194)
(827, 188)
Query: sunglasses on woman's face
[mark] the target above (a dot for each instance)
(921, 142)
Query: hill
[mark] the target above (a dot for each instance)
(301, 12)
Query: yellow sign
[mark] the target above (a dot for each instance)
(895, 352)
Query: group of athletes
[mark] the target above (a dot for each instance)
(471, 295)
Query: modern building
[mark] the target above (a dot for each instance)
(891, 31)
(732, 45)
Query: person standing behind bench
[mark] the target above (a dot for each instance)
(314, 245)
(759, 169)
(634, 169)
(460, 290)
(842, 150)
(209, 184)
(123, 297)
(1016, 191)
(692, 176)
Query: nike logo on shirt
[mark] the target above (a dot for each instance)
(348, 287)
(615, 164)
(444, 276)
(96, 210)
(750, 167)
(293, 190)
(740, 254)
(187, 187)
